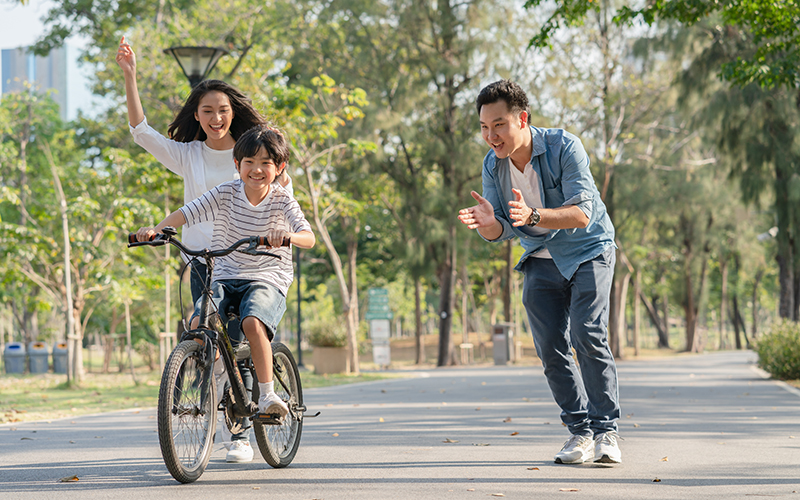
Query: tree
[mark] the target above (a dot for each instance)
(773, 29)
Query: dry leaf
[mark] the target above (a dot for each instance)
(791, 437)
(563, 424)
(483, 383)
(72, 442)
(533, 468)
(448, 440)
(480, 444)
(256, 487)
(68, 479)
(636, 425)
(497, 495)
(380, 419)
(383, 391)
(442, 391)
(335, 434)
(26, 439)
(514, 433)
(665, 459)
(329, 404)
(507, 420)
(656, 480)
(568, 489)
(478, 409)
(470, 489)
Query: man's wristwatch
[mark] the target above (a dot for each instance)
(534, 218)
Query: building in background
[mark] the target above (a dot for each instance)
(58, 72)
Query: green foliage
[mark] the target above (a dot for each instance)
(779, 350)
(327, 332)
(771, 26)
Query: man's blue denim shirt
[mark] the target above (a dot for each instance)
(562, 166)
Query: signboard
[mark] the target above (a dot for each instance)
(381, 354)
(378, 304)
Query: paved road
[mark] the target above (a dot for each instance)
(707, 426)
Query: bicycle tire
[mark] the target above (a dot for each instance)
(279, 443)
(187, 418)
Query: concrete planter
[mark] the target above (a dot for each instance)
(330, 360)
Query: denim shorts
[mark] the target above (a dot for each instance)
(253, 298)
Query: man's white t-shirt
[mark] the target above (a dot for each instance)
(528, 184)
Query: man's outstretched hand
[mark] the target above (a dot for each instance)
(479, 216)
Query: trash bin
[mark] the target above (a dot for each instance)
(38, 357)
(60, 358)
(503, 343)
(14, 356)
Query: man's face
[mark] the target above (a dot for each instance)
(503, 130)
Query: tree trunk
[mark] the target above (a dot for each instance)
(508, 275)
(616, 323)
(420, 341)
(723, 314)
(447, 279)
(737, 339)
(128, 341)
(759, 275)
(637, 311)
(652, 312)
(786, 305)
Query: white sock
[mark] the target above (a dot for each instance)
(265, 388)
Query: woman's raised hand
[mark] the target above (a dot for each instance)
(126, 58)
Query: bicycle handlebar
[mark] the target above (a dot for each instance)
(167, 237)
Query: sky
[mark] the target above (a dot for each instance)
(21, 26)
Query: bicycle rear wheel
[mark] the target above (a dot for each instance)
(279, 443)
(187, 415)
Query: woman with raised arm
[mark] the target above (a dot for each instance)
(200, 150)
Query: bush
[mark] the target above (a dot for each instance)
(779, 351)
(327, 334)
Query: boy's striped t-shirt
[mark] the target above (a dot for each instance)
(234, 218)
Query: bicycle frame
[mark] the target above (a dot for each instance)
(207, 335)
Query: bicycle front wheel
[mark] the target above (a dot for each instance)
(279, 443)
(187, 415)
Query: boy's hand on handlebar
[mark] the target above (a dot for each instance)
(275, 237)
(145, 234)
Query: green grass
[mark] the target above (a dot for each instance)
(46, 396)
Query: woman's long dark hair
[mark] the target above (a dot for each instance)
(185, 128)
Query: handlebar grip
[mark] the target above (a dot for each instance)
(132, 238)
(262, 241)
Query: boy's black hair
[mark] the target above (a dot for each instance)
(504, 90)
(262, 136)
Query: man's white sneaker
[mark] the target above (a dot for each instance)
(240, 451)
(272, 403)
(606, 449)
(576, 450)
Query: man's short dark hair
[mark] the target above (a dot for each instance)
(262, 136)
(504, 90)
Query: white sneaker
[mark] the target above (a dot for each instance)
(272, 403)
(576, 450)
(240, 451)
(606, 449)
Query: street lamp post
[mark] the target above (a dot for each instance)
(196, 62)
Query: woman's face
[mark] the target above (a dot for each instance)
(215, 115)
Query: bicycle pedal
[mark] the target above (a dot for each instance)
(268, 419)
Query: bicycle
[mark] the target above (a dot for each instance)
(187, 415)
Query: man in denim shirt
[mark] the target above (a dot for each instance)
(537, 187)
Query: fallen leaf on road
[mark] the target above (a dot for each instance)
(256, 487)
(448, 440)
(791, 437)
(507, 420)
(478, 409)
(26, 439)
(335, 434)
(656, 480)
(329, 404)
(563, 424)
(665, 459)
(568, 489)
(380, 419)
(629, 415)
(442, 391)
(514, 433)
(68, 479)
(470, 489)
(497, 495)
(480, 444)
(636, 425)
(533, 468)
(72, 442)
(483, 383)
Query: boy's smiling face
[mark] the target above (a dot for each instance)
(257, 173)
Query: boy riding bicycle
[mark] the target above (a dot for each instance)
(252, 205)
